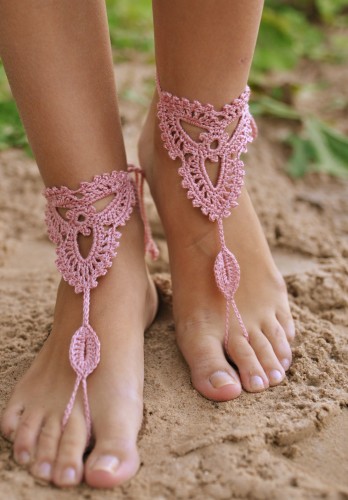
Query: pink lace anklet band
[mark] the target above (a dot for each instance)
(81, 217)
(216, 145)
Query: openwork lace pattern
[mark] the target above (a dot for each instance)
(70, 213)
(215, 145)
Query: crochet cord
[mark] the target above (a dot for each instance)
(86, 305)
(150, 245)
(229, 290)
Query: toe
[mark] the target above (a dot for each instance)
(68, 469)
(211, 374)
(112, 462)
(251, 372)
(10, 420)
(287, 323)
(279, 342)
(25, 441)
(47, 447)
(267, 357)
(115, 457)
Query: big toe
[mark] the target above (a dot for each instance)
(211, 374)
(115, 457)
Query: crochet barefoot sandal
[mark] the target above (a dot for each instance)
(216, 145)
(81, 217)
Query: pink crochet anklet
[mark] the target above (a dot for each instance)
(81, 217)
(215, 145)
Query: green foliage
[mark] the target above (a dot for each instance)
(329, 10)
(290, 33)
(130, 25)
(12, 132)
(291, 30)
(268, 106)
(315, 147)
(285, 37)
(318, 148)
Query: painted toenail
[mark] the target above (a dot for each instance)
(275, 376)
(68, 476)
(23, 458)
(221, 378)
(44, 470)
(256, 382)
(285, 363)
(106, 463)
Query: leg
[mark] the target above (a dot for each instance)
(204, 51)
(58, 59)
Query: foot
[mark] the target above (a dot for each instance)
(198, 306)
(32, 419)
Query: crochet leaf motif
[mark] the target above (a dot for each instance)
(214, 145)
(83, 218)
(84, 351)
(227, 273)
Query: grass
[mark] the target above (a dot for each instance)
(290, 32)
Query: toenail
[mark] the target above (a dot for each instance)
(106, 463)
(68, 476)
(285, 363)
(256, 382)
(23, 458)
(221, 378)
(275, 376)
(44, 470)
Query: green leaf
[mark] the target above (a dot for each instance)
(318, 148)
(285, 36)
(12, 133)
(130, 24)
(329, 9)
(302, 157)
(272, 107)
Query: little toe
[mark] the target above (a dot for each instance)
(279, 342)
(10, 420)
(267, 357)
(211, 374)
(25, 441)
(47, 447)
(68, 469)
(287, 323)
(251, 372)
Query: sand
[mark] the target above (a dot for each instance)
(290, 442)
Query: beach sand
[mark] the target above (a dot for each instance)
(290, 442)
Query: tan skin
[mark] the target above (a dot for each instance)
(58, 60)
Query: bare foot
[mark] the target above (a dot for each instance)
(199, 307)
(122, 306)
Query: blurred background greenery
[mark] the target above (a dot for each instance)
(292, 33)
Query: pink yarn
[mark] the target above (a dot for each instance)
(150, 246)
(215, 145)
(81, 217)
